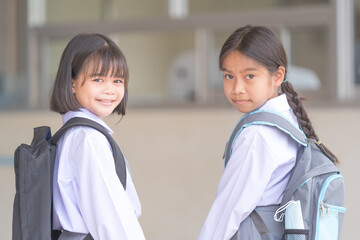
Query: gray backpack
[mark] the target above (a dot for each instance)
(312, 207)
(34, 166)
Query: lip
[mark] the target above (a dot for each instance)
(239, 101)
(106, 101)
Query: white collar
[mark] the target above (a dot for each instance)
(277, 104)
(84, 113)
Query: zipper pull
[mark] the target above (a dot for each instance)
(322, 209)
(328, 209)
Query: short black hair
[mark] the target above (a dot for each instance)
(86, 48)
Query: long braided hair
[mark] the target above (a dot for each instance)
(262, 45)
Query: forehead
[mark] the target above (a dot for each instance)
(237, 62)
(97, 66)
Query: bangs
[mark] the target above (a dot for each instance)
(106, 61)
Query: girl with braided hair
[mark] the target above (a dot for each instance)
(254, 66)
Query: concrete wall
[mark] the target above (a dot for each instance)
(175, 157)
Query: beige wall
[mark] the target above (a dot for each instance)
(175, 158)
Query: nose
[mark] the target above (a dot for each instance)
(108, 89)
(238, 87)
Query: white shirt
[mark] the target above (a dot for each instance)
(87, 193)
(256, 174)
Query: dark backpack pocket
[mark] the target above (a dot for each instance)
(296, 234)
(269, 236)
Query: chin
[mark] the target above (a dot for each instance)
(244, 110)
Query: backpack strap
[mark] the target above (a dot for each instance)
(311, 161)
(264, 117)
(120, 164)
(259, 223)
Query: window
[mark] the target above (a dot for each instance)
(173, 55)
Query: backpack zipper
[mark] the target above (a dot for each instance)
(323, 207)
(326, 208)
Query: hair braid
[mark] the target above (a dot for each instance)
(296, 104)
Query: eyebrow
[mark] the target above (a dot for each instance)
(224, 70)
(245, 70)
(96, 75)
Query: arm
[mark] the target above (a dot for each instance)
(241, 186)
(103, 202)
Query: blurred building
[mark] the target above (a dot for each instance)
(176, 96)
(172, 45)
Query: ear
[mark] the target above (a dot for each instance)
(72, 83)
(278, 76)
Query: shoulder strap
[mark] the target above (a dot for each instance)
(268, 118)
(311, 161)
(120, 164)
(258, 223)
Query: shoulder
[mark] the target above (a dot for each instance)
(82, 135)
(255, 134)
(267, 140)
(84, 146)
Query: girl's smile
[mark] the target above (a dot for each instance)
(248, 84)
(106, 102)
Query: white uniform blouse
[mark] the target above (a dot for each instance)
(88, 195)
(256, 174)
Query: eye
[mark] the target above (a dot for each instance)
(98, 80)
(119, 81)
(250, 76)
(228, 76)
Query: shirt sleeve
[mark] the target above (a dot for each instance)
(241, 186)
(102, 200)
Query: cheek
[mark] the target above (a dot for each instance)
(227, 86)
(121, 92)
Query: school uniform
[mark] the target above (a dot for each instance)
(87, 193)
(256, 174)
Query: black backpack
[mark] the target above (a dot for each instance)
(34, 165)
